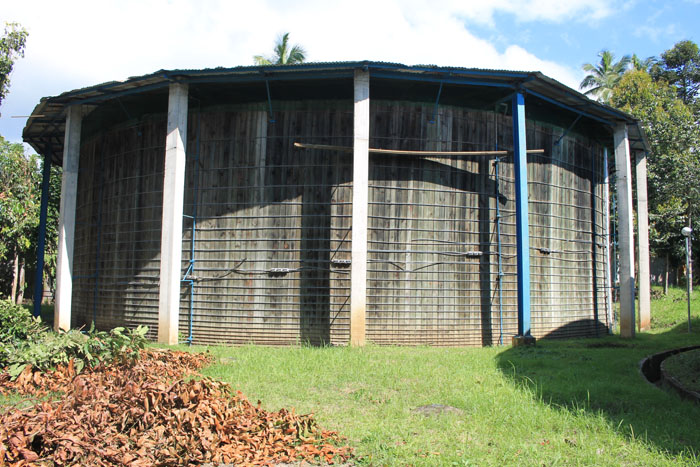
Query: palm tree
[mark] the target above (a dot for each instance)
(637, 64)
(603, 77)
(283, 55)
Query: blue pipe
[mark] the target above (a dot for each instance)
(521, 214)
(500, 263)
(41, 241)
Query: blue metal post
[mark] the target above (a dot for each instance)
(521, 214)
(41, 241)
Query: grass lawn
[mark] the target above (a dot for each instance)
(576, 402)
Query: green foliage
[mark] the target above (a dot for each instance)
(17, 324)
(680, 67)
(674, 160)
(19, 199)
(12, 45)
(48, 349)
(283, 53)
(604, 76)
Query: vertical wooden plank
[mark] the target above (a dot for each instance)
(360, 193)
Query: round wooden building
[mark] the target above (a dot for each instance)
(339, 203)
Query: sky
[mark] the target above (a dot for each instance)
(78, 43)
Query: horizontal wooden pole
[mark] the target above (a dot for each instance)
(348, 149)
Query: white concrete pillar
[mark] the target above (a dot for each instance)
(643, 247)
(171, 229)
(360, 200)
(66, 220)
(626, 230)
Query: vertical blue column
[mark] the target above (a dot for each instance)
(521, 214)
(41, 241)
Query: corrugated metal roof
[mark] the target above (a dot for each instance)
(44, 130)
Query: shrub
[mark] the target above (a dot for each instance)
(85, 349)
(17, 324)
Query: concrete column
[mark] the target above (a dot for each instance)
(522, 226)
(360, 199)
(66, 220)
(643, 236)
(171, 229)
(626, 230)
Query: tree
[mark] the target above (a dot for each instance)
(637, 64)
(680, 67)
(283, 54)
(19, 210)
(603, 77)
(11, 47)
(674, 159)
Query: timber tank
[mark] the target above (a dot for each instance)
(267, 228)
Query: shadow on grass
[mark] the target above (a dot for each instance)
(600, 376)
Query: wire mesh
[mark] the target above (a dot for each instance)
(267, 233)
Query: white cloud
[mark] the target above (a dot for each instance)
(77, 43)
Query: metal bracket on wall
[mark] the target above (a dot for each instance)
(437, 101)
(568, 130)
(269, 102)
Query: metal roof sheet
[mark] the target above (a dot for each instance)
(45, 128)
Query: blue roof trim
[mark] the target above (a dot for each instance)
(440, 79)
(568, 107)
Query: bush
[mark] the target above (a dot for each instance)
(44, 349)
(17, 324)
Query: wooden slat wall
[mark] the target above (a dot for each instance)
(426, 216)
(567, 235)
(263, 204)
(119, 209)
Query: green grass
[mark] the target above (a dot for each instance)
(575, 402)
(685, 368)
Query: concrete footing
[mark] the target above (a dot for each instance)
(523, 340)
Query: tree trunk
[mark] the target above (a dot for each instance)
(666, 275)
(20, 284)
(15, 278)
(46, 296)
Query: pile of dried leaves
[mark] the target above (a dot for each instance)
(150, 413)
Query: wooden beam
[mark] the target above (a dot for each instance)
(171, 228)
(66, 220)
(626, 230)
(348, 149)
(360, 202)
(643, 239)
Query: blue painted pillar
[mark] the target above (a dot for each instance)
(41, 241)
(521, 214)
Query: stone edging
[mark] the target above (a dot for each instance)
(650, 368)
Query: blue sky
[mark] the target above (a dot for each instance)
(78, 43)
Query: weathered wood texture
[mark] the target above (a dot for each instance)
(433, 250)
(117, 254)
(261, 204)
